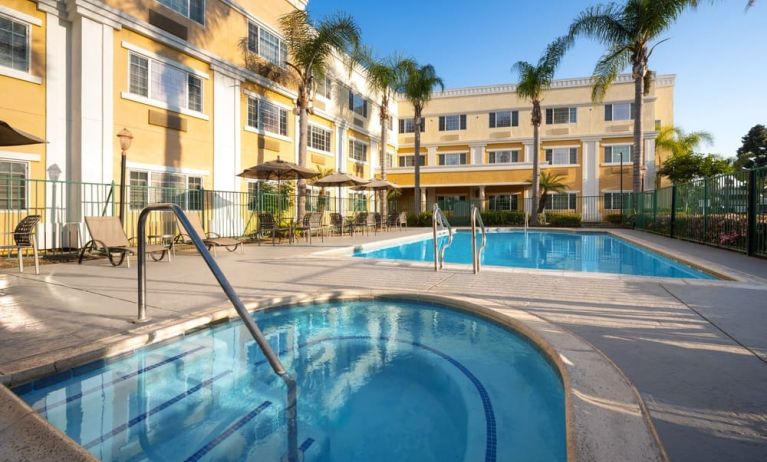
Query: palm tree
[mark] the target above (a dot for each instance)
(676, 141)
(384, 77)
(533, 81)
(550, 183)
(628, 32)
(310, 49)
(417, 86)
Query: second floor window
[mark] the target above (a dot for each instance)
(358, 151)
(165, 83)
(192, 9)
(452, 159)
(504, 119)
(324, 87)
(14, 44)
(503, 157)
(268, 117)
(319, 138)
(358, 104)
(619, 111)
(267, 45)
(561, 115)
(408, 125)
(618, 154)
(409, 161)
(562, 156)
(452, 122)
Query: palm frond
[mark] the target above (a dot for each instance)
(420, 83)
(603, 23)
(607, 69)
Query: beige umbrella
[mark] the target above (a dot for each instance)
(278, 170)
(340, 180)
(10, 136)
(377, 185)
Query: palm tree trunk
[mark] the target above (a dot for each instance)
(303, 141)
(382, 160)
(417, 159)
(636, 156)
(536, 175)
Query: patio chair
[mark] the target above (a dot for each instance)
(109, 238)
(402, 220)
(24, 238)
(312, 223)
(392, 220)
(211, 240)
(380, 222)
(339, 224)
(364, 221)
(267, 224)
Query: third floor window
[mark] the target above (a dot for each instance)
(619, 111)
(14, 44)
(408, 125)
(267, 45)
(452, 122)
(192, 9)
(358, 104)
(561, 115)
(504, 119)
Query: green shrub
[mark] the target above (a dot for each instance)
(614, 218)
(563, 220)
(503, 218)
(419, 220)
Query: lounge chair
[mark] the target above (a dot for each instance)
(24, 238)
(211, 240)
(312, 223)
(109, 238)
(267, 224)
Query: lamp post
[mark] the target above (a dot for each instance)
(125, 137)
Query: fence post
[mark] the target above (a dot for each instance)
(672, 230)
(705, 210)
(751, 208)
(202, 207)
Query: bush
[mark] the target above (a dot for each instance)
(614, 218)
(419, 220)
(564, 220)
(503, 218)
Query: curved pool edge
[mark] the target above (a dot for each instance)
(606, 418)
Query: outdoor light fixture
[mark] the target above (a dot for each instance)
(126, 138)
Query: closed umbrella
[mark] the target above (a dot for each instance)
(10, 136)
(340, 180)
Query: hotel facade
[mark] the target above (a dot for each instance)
(174, 73)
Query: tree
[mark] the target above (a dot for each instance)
(687, 166)
(417, 86)
(676, 141)
(753, 152)
(533, 81)
(550, 183)
(628, 31)
(310, 49)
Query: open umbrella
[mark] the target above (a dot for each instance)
(340, 180)
(10, 136)
(278, 170)
(378, 185)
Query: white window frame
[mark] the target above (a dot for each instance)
(612, 118)
(612, 155)
(460, 117)
(496, 152)
(328, 85)
(365, 103)
(189, 11)
(149, 187)
(27, 21)
(262, 130)
(568, 148)
(26, 184)
(330, 139)
(353, 142)
(281, 45)
(569, 194)
(408, 125)
(625, 193)
(410, 160)
(570, 111)
(511, 113)
(494, 197)
(456, 153)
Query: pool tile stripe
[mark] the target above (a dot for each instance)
(306, 444)
(228, 432)
(143, 416)
(45, 407)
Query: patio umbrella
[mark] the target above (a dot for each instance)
(378, 185)
(340, 180)
(278, 170)
(10, 136)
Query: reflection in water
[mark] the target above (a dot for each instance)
(377, 381)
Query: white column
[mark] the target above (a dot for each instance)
(649, 153)
(227, 157)
(431, 156)
(526, 202)
(340, 149)
(528, 151)
(374, 155)
(477, 154)
(590, 169)
(482, 203)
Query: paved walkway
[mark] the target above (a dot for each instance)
(696, 350)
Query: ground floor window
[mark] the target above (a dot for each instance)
(560, 201)
(451, 202)
(614, 200)
(498, 202)
(155, 187)
(359, 202)
(13, 185)
(409, 161)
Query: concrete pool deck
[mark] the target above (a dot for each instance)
(695, 350)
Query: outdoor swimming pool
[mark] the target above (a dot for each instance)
(378, 380)
(591, 252)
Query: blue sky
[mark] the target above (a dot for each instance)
(716, 51)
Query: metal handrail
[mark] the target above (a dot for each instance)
(247, 319)
(476, 255)
(438, 218)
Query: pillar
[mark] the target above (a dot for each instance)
(649, 160)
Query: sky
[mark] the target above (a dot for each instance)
(717, 51)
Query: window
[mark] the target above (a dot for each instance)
(319, 138)
(504, 119)
(561, 115)
(408, 125)
(616, 154)
(452, 122)
(165, 83)
(194, 193)
(13, 185)
(560, 201)
(503, 202)
(192, 9)
(268, 117)
(452, 202)
(452, 159)
(562, 156)
(614, 200)
(619, 111)
(503, 157)
(267, 45)
(389, 160)
(138, 190)
(359, 202)
(358, 104)
(358, 151)
(14, 44)
(324, 87)
(409, 161)
(156, 187)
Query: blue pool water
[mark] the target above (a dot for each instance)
(589, 252)
(377, 381)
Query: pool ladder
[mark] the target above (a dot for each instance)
(476, 254)
(440, 226)
(247, 319)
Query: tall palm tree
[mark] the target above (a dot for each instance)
(417, 86)
(533, 81)
(630, 32)
(310, 49)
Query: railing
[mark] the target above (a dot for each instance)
(247, 319)
(438, 220)
(476, 255)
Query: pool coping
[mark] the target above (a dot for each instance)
(606, 418)
(722, 273)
